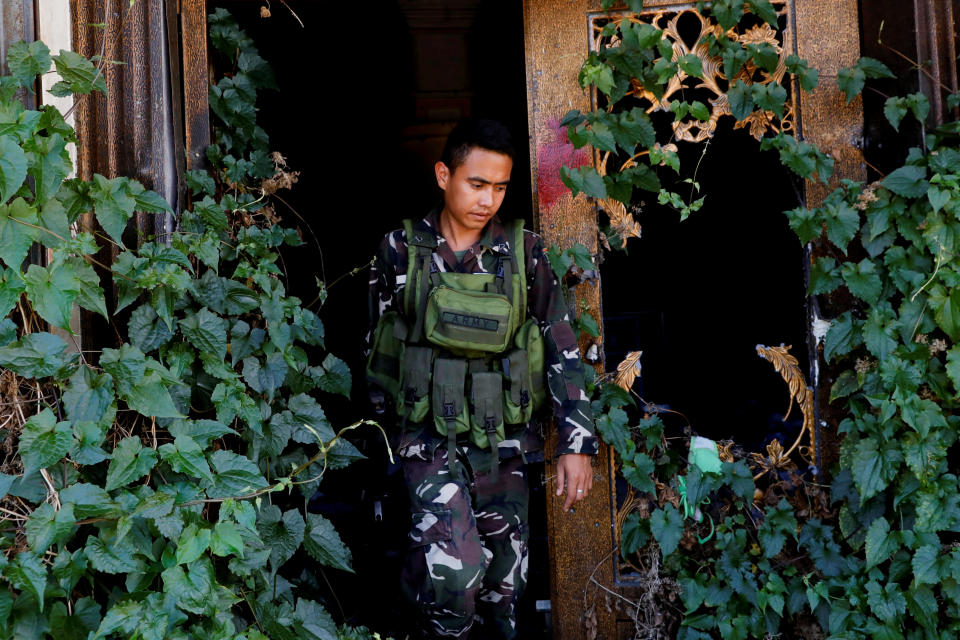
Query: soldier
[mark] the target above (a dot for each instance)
(471, 332)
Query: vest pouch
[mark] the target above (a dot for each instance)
(448, 396)
(530, 340)
(486, 416)
(517, 399)
(386, 352)
(468, 323)
(413, 400)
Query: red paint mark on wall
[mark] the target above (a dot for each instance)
(557, 152)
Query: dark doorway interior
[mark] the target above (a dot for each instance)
(365, 101)
(697, 296)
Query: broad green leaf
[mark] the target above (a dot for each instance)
(909, 181)
(824, 276)
(953, 367)
(850, 80)
(336, 377)
(206, 331)
(323, 543)
(764, 10)
(265, 378)
(36, 355)
(131, 461)
(13, 171)
(48, 161)
(636, 125)
(946, 307)
(666, 525)
(922, 414)
(741, 100)
(145, 329)
(638, 472)
(225, 540)
(28, 573)
(282, 533)
(862, 280)
(46, 526)
(88, 500)
(727, 12)
(200, 431)
(192, 587)
(234, 475)
(805, 223)
(690, 64)
(867, 469)
(186, 456)
(843, 222)
(895, 109)
(634, 534)
(52, 292)
(880, 543)
(43, 441)
(192, 543)
(314, 621)
(842, 336)
(888, 603)
(584, 179)
(110, 555)
(879, 333)
(873, 68)
(778, 523)
(16, 232)
(90, 295)
(78, 73)
(11, 286)
(27, 61)
(113, 205)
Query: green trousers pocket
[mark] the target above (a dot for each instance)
(517, 397)
(413, 401)
(448, 396)
(486, 418)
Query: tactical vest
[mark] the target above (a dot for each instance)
(462, 350)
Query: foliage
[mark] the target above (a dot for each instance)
(876, 558)
(155, 489)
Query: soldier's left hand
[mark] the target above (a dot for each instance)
(575, 474)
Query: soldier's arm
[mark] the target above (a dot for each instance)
(565, 377)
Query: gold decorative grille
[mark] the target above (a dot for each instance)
(675, 21)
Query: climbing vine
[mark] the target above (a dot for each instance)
(157, 488)
(756, 546)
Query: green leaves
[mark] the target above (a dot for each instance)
(78, 75)
(206, 331)
(131, 461)
(43, 441)
(583, 179)
(323, 543)
(13, 171)
(851, 79)
(896, 108)
(282, 533)
(909, 181)
(27, 61)
(234, 475)
(37, 355)
(186, 456)
(667, 527)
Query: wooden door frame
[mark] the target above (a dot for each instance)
(557, 41)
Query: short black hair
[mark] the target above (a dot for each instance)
(475, 134)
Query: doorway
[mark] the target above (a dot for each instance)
(363, 107)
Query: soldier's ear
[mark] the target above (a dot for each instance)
(443, 175)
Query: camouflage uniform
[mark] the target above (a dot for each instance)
(469, 534)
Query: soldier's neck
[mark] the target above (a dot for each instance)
(459, 238)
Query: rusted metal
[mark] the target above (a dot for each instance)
(130, 131)
(196, 81)
(828, 37)
(557, 39)
(936, 53)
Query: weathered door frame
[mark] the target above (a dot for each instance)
(557, 41)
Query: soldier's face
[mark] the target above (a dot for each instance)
(474, 191)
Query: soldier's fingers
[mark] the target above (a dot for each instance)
(561, 479)
(571, 498)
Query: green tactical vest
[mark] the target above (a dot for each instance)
(461, 350)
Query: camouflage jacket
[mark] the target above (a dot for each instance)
(545, 303)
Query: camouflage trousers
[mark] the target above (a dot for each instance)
(468, 543)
